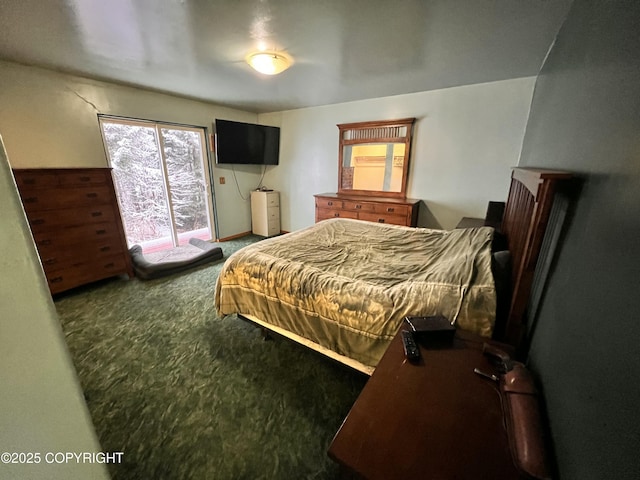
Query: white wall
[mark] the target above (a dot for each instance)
(41, 406)
(465, 141)
(50, 120)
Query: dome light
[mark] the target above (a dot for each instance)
(269, 62)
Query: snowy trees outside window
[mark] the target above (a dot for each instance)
(160, 180)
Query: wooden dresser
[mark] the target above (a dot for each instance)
(76, 224)
(396, 211)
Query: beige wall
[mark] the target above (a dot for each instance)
(41, 406)
(48, 119)
(465, 141)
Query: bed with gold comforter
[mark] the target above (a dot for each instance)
(346, 285)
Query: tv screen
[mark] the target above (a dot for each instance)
(246, 143)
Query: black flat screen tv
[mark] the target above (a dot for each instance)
(246, 143)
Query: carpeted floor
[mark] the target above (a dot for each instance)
(187, 395)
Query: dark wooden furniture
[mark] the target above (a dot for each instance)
(525, 220)
(470, 222)
(433, 420)
(373, 164)
(396, 211)
(493, 217)
(76, 224)
(524, 223)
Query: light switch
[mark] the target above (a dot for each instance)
(222, 180)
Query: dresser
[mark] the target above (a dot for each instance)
(265, 212)
(396, 211)
(74, 218)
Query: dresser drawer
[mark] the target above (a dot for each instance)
(85, 273)
(391, 209)
(273, 199)
(35, 200)
(38, 178)
(382, 218)
(86, 177)
(97, 232)
(45, 220)
(273, 214)
(55, 259)
(33, 179)
(359, 206)
(273, 228)
(324, 213)
(329, 203)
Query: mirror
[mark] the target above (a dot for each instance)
(374, 157)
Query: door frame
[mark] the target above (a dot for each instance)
(207, 167)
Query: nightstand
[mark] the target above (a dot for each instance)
(470, 222)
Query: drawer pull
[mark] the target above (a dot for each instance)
(358, 206)
(101, 232)
(56, 280)
(29, 181)
(85, 179)
(30, 200)
(96, 214)
(38, 221)
(105, 249)
(330, 204)
(109, 265)
(50, 261)
(381, 220)
(45, 242)
(336, 214)
(77, 264)
(390, 209)
(92, 195)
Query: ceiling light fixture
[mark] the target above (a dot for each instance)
(269, 62)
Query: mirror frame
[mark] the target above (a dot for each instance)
(380, 131)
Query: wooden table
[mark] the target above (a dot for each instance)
(434, 419)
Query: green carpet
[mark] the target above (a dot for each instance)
(187, 395)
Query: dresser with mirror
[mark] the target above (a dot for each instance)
(373, 163)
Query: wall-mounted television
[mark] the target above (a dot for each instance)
(246, 143)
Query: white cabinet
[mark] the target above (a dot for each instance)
(265, 213)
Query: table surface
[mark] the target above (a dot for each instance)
(432, 419)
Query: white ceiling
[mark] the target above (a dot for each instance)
(343, 49)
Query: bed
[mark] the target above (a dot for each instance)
(343, 287)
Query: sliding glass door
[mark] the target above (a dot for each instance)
(162, 181)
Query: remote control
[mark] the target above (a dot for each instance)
(411, 350)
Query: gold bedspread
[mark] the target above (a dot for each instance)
(347, 284)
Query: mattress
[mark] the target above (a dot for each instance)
(347, 284)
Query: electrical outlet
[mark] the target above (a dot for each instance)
(222, 180)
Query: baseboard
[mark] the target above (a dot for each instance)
(233, 237)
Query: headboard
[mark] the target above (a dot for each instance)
(524, 224)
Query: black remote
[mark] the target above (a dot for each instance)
(411, 350)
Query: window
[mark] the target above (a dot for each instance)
(161, 180)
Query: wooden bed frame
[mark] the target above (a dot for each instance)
(527, 210)
(525, 220)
